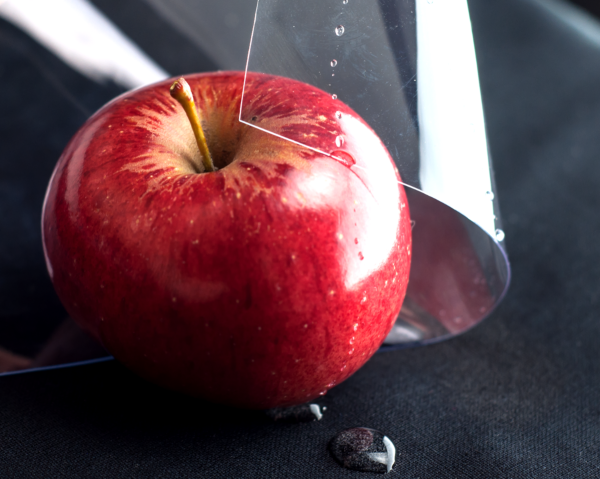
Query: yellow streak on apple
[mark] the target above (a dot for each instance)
(179, 153)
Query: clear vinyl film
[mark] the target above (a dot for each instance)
(408, 68)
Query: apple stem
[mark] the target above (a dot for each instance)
(181, 91)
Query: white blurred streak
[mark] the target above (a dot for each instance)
(80, 35)
(455, 166)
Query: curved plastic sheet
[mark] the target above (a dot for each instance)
(408, 67)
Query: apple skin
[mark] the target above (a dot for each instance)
(262, 284)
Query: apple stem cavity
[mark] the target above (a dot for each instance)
(181, 91)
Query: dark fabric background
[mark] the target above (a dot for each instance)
(516, 397)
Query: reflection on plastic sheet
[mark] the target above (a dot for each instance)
(454, 156)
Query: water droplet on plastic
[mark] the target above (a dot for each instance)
(338, 115)
(500, 235)
(339, 30)
(333, 62)
(301, 413)
(430, 1)
(412, 224)
(490, 195)
(339, 141)
(345, 2)
(334, 96)
(363, 449)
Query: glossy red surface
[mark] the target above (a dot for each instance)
(263, 284)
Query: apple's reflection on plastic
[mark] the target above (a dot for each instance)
(408, 67)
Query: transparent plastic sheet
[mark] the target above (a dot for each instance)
(408, 67)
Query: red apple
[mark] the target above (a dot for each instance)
(262, 284)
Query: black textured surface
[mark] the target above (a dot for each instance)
(517, 397)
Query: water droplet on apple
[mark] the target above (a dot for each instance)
(360, 256)
(339, 30)
(338, 115)
(490, 195)
(355, 240)
(339, 141)
(356, 327)
(334, 96)
(301, 413)
(500, 235)
(351, 340)
(363, 449)
(333, 62)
